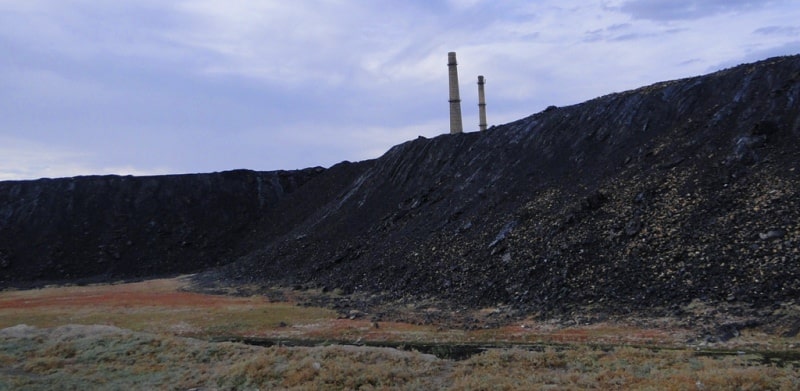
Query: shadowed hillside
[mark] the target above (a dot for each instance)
(111, 227)
(647, 200)
(643, 200)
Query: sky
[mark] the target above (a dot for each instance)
(146, 87)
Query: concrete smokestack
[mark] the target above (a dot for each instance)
(481, 103)
(455, 100)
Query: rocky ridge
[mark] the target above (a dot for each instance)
(674, 196)
(647, 200)
(100, 228)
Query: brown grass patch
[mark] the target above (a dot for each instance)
(166, 306)
(155, 293)
(549, 355)
(154, 306)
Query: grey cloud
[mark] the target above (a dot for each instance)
(530, 37)
(669, 10)
(756, 55)
(605, 34)
(631, 37)
(617, 27)
(690, 61)
(623, 32)
(593, 36)
(778, 30)
(208, 85)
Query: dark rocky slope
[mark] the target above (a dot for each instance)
(642, 201)
(111, 227)
(638, 201)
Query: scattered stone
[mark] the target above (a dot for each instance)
(355, 314)
(503, 233)
(672, 247)
(633, 226)
(672, 163)
(772, 234)
(764, 128)
(594, 201)
(4, 261)
(727, 332)
(744, 150)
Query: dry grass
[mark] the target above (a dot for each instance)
(159, 306)
(104, 357)
(620, 368)
(134, 336)
(165, 306)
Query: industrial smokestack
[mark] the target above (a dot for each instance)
(455, 99)
(481, 103)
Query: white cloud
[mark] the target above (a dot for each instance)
(24, 159)
(668, 10)
(183, 84)
(280, 42)
(333, 143)
(44, 85)
(462, 4)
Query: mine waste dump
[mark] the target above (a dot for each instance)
(642, 201)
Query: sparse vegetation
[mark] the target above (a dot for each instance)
(104, 357)
(583, 367)
(143, 344)
(159, 306)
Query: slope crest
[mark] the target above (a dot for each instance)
(641, 200)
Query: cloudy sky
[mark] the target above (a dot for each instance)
(182, 86)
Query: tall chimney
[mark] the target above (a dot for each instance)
(481, 103)
(455, 100)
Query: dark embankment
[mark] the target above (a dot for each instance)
(100, 228)
(645, 200)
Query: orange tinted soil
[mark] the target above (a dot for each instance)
(164, 306)
(154, 293)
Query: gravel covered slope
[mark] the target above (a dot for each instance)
(644, 200)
